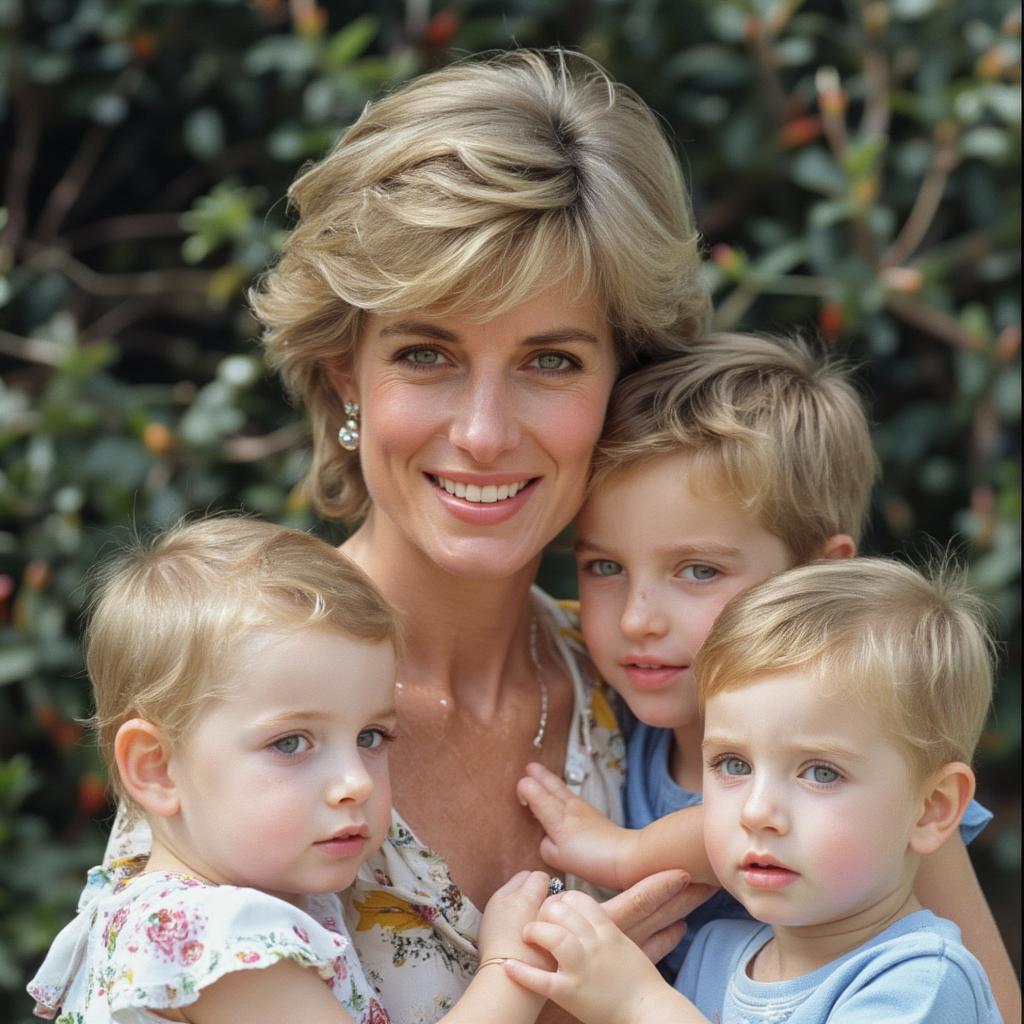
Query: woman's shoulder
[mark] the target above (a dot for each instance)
(157, 939)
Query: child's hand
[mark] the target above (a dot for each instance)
(580, 839)
(602, 977)
(507, 913)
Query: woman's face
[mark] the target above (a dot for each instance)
(476, 437)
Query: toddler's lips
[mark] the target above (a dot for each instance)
(347, 843)
(765, 872)
(650, 675)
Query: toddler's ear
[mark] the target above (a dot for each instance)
(946, 796)
(142, 754)
(839, 545)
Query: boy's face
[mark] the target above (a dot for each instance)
(657, 563)
(284, 783)
(809, 805)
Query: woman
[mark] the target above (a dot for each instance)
(474, 265)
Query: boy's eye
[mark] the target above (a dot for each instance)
(699, 573)
(370, 739)
(733, 766)
(603, 567)
(821, 774)
(292, 744)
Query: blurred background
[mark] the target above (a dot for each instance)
(855, 169)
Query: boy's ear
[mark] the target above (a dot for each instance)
(839, 545)
(142, 754)
(946, 796)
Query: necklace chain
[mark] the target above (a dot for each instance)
(538, 740)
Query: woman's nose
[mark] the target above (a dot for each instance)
(762, 810)
(643, 615)
(485, 420)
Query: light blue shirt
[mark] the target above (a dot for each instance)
(915, 972)
(651, 793)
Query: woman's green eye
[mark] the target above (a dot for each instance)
(425, 357)
(552, 361)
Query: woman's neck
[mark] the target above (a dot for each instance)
(462, 635)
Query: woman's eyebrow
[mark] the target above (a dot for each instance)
(426, 329)
(422, 328)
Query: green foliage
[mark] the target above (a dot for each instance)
(855, 170)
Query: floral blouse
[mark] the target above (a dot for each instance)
(147, 941)
(414, 931)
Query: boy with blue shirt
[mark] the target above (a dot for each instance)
(742, 458)
(842, 703)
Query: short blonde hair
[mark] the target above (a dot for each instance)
(467, 191)
(770, 420)
(168, 619)
(915, 648)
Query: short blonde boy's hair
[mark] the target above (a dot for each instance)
(769, 420)
(466, 192)
(169, 619)
(916, 649)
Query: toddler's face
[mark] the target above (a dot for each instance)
(809, 805)
(656, 564)
(284, 784)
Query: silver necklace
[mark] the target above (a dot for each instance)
(538, 740)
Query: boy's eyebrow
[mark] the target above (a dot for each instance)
(428, 329)
(711, 549)
(822, 746)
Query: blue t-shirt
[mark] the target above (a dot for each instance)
(915, 972)
(651, 793)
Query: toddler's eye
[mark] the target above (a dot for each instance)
(603, 567)
(733, 766)
(821, 774)
(699, 573)
(292, 744)
(370, 739)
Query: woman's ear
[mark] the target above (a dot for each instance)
(946, 795)
(839, 545)
(142, 754)
(339, 375)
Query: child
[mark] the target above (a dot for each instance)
(244, 677)
(842, 704)
(740, 459)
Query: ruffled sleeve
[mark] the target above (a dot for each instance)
(158, 940)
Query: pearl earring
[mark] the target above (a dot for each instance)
(348, 435)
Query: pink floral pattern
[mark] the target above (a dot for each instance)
(151, 941)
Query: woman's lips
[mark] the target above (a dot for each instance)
(481, 512)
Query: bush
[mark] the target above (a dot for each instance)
(855, 174)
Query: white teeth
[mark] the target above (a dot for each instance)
(481, 495)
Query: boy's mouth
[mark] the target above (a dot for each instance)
(646, 674)
(763, 871)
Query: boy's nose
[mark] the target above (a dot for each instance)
(762, 810)
(643, 615)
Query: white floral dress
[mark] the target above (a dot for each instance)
(413, 929)
(145, 941)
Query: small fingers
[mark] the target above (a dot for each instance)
(660, 944)
(543, 983)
